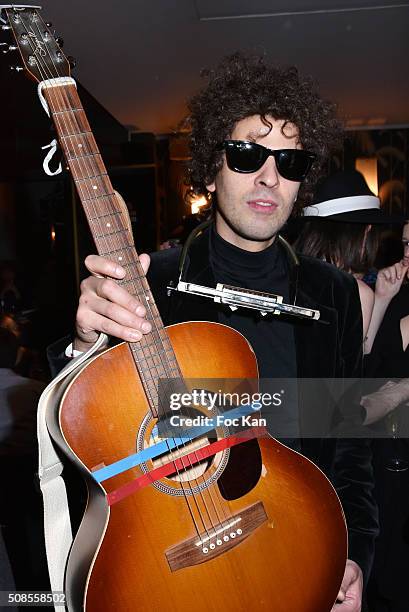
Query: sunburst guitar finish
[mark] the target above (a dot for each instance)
(141, 553)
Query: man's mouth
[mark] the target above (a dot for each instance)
(264, 206)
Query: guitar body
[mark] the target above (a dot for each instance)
(291, 558)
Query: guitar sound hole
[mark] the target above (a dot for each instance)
(200, 473)
(194, 467)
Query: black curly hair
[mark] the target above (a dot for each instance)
(244, 85)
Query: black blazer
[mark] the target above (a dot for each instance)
(327, 349)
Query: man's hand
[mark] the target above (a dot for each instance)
(106, 307)
(350, 594)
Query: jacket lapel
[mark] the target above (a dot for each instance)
(196, 269)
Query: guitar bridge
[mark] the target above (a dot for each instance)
(217, 540)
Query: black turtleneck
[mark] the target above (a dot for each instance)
(271, 337)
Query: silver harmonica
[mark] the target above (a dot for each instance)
(236, 297)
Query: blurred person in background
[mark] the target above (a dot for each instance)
(342, 228)
(20, 508)
(389, 360)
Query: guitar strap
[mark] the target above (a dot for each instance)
(57, 522)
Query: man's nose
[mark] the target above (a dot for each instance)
(268, 173)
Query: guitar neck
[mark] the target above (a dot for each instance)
(153, 356)
(91, 179)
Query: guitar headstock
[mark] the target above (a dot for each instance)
(41, 54)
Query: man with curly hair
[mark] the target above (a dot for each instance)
(259, 138)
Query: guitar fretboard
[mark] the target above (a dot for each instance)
(153, 355)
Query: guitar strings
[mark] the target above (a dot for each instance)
(107, 240)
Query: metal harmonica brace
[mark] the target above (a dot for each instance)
(236, 297)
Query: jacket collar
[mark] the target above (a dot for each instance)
(194, 264)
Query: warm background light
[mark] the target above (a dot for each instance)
(368, 166)
(196, 203)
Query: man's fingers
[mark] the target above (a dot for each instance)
(111, 328)
(145, 261)
(346, 606)
(106, 306)
(99, 266)
(90, 310)
(109, 289)
(341, 595)
(123, 316)
(387, 385)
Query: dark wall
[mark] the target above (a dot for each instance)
(34, 204)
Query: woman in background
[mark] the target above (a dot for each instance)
(342, 227)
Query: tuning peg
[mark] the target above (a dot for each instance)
(6, 27)
(72, 61)
(17, 68)
(59, 41)
(48, 24)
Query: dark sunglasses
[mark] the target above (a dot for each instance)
(246, 157)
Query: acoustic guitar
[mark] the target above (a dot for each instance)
(213, 520)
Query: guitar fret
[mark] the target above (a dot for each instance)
(110, 214)
(62, 112)
(141, 361)
(83, 143)
(148, 367)
(91, 166)
(150, 363)
(129, 247)
(75, 134)
(88, 178)
(98, 197)
(101, 197)
(91, 188)
(155, 355)
(157, 351)
(146, 344)
(72, 157)
(120, 231)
